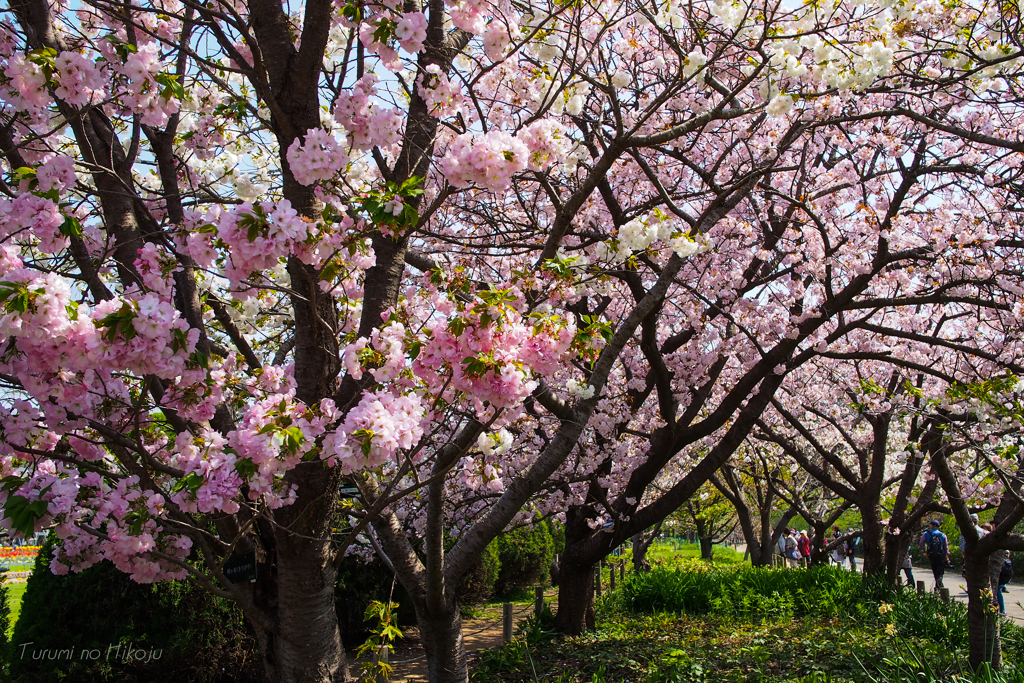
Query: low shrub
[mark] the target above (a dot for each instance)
(182, 632)
(478, 583)
(524, 558)
(697, 588)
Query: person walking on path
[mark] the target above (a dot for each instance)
(792, 550)
(837, 551)
(851, 551)
(908, 568)
(935, 544)
(1005, 574)
(804, 544)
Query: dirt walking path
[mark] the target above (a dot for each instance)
(482, 632)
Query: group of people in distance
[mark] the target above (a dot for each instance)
(794, 549)
(935, 546)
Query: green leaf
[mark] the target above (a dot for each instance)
(457, 326)
(246, 468)
(119, 323)
(191, 481)
(329, 271)
(172, 88)
(71, 227)
(23, 513)
(11, 483)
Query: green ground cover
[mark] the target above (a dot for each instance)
(692, 622)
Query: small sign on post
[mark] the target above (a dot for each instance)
(241, 567)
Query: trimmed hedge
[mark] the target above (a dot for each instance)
(515, 561)
(5, 624)
(524, 556)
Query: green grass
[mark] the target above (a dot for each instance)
(15, 592)
(667, 553)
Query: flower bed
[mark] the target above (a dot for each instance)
(25, 553)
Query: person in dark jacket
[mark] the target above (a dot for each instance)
(1005, 574)
(851, 551)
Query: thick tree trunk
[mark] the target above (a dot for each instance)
(575, 599)
(704, 538)
(441, 635)
(758, 557)
(895, 548)
(307, 646)
(819, 555)
(706, 548)
(982, 612)
(871, 541)
(750, 537)
(640, 546)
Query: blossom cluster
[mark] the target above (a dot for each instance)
(376, 431)
(368, 122)
(318, 157)
(488, 160)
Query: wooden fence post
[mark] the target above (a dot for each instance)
(506, 633)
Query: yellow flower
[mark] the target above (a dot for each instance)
(884, 608)
(890, 630)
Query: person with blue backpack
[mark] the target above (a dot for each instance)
(936, 546)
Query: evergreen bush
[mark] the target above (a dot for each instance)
(524, 556)
(478, 583)
(92, 626)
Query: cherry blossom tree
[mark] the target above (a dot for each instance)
(975, 456)
(754, 482)
(854, 436)
(482, 260)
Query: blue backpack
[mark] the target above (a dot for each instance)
(935, 546)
